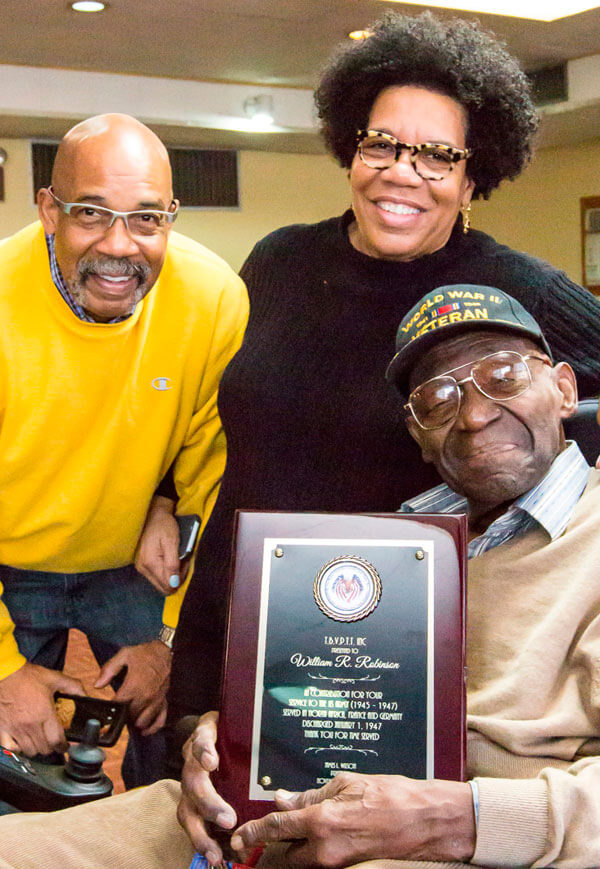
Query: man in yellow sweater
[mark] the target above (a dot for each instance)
(115, 333)
(486, 404)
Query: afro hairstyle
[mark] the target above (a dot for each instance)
(455, 58)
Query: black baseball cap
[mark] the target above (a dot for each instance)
(447, 311)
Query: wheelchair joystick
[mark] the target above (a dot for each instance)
(31, 785)
(84, 763)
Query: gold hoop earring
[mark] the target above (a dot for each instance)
(466, 216)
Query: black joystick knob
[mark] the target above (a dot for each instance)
(85, 759)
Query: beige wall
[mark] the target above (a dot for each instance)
(17, 210)
(538, 213)
(275, 189)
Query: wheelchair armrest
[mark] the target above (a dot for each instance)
(583, 428)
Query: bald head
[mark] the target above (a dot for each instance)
(113, 138)
(109, 163)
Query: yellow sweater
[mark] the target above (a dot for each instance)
(92, 415)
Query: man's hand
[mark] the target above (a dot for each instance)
(360, 817)
(199, 800)
(28, 721)
(157, 557)
(145, 684)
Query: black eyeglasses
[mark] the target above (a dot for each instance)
(500, 376)
(430, 160)
(97, 218)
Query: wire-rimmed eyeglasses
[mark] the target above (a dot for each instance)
(430, 160)
(500, 376)
(98, 218)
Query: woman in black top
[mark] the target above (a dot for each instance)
(425, 115)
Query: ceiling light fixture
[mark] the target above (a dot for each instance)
(260, 110)
(88, 6)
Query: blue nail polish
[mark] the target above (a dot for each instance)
(174, 580)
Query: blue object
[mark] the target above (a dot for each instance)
(199, 862)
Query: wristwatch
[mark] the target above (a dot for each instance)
(166, 636)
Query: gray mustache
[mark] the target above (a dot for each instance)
(114, 268)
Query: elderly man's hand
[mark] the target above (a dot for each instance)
(157, 556)
(145, 684)
(360, 817)
(28, 721)
(199, 800)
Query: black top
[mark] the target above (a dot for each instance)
(311, 423)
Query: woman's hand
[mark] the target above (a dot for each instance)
(199, 800)
(157, 556)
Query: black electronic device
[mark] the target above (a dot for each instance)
(74, 712)
(189, 526)
(33, 785)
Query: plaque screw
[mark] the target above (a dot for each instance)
(419, 555)
(278, 552)
(266, 781)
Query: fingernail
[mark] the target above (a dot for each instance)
(212, 858)
(225, 819)
(282, 794)
(174, 580)
(236, 842)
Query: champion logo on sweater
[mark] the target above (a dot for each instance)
(162, 384)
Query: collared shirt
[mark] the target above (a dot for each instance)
(550, 503)
(61, 286)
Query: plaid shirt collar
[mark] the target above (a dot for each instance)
(61, 286)
(550, 503)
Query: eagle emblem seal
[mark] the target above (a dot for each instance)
(347, 588)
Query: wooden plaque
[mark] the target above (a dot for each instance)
(345, 651)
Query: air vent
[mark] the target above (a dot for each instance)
(549, 84)
(201, 178)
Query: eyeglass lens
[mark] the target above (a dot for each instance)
(501, 376)
(431, 162)
(138, 222)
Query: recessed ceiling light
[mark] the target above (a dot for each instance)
(360, 34)
(88, 6)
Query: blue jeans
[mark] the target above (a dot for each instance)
(113, 608)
